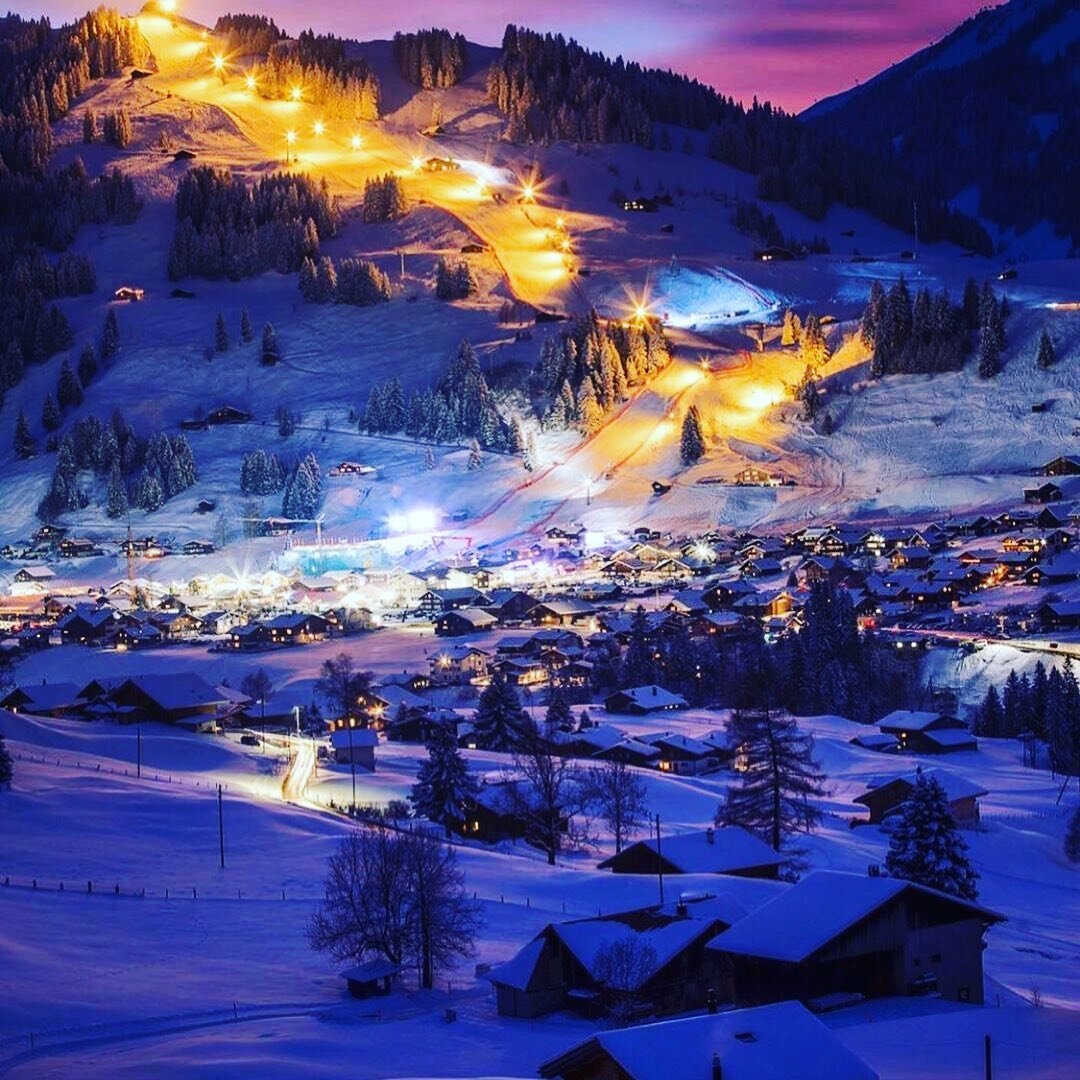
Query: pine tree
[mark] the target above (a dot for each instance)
(110, 336)
(990, 718)
(787, 331)
(559, 715)
(89, 126)
(528, 452)
(246, 332)
(271, 354)
(639, 664)
(221, 334)
(69, 393)
(476, 459)
(500, 723)
(444, 786)
(429, 459)
(1046, 355)
(989, 352)
(24, 440)
(777, 777)
(50, 414)
(926, 846)
(7, 765)
(88, 365)
(692, 445)
(12, 365)
(116, 500)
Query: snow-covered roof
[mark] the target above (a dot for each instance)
(653, 697)
(373, 969)
(814, 911)
(955, 787)
(952, 737)
(908, 720)
(586, 940)
(46, 695)
(177, 690)
(518, 971)
(730, 848)
(772, 1042)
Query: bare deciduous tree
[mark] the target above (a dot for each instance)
(339, 684)
(547, 798)
(618, 794)
(623, 967)
(399, 896)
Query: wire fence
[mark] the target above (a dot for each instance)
(133, 772)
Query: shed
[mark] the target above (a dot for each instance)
(354, 746)
(887, 796)
(372, 979)
(731, 850)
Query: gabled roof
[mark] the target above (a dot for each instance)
(652, 697)
(517, 972)
(731, 848)
(180, 690)
(955, 787)
(784, 1041)
(818, 909)
(47, 696)
(908, 720)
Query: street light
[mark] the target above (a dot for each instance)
(320, 127)
(296, 94)
(217, 61)
(355, 142)
(249, 81)
(290, 138)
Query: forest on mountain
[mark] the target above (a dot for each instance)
(550, 88)
(1006, 119)
(431, 58)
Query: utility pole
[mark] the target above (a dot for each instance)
(987, 1058)
(221, 827)
(138, 750)
(659, 861)
(915, 216)
(352, 765)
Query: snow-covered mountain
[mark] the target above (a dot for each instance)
(990, 115)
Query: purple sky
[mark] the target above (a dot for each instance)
(791, 52)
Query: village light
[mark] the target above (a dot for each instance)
(218, 62)
(528, 192)
(355, 142)
(250, 82)
(167, 6)
(320, 127)
(296, 93)
(560, 222)
(416, 163)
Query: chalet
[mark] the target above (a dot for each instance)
(1057, 571)
(563, 966)
(352, 468)
(844, 933)
(586, 742)
(494, 813)
(761, 568)
(752, 476)
(640, 205)
(877, 741)
(774, 253)
(216, 623)
(522, 671)
(137, 635)
(205, 506)
(77, 547)
(459, 621)
(682, 755)
(911, 558)
(1061, 466)
(731, 850)
(383, 702)
(371, 979)
(184, 155)
(174, 624)
(296, 628)
(631, 752)
(772, 1041)
(413, 681)
(458, 665)
(87, 624)
(888, 796)
(182, 698)
(437, 164)
(826, 568)
(724, 594)
(927, 732)
(1043, 493)
(354, 745)
(228, 414)
(435, 601)
(129, 292)
(623, 568)
(640, 700)
(1060, 615)
(563, 535)
(561, 613)
(198, 547)
(688, 602)
(726, 624)
(46, 699)
(48, 535)
(32, 580)
(510, 605)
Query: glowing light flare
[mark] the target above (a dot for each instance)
(319, 128)
(295, 94)
(759, 398)
(290, 136)
(356, 142)
(249, 82)
(560, 222)
(420, 519)
(416, 163)
(168, 6)
(217, 61)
